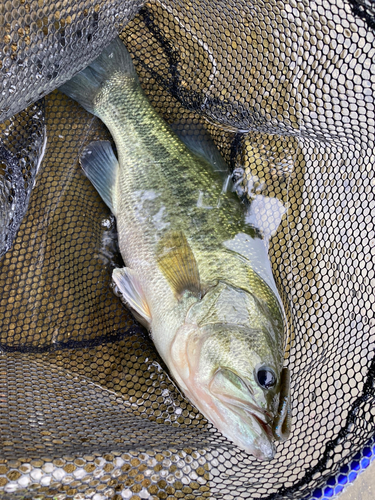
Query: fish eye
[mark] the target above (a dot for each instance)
(266, 378)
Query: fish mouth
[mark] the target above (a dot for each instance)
(265, 426)
(248, 410)
(239, 417)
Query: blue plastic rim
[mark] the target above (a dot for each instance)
(346, 475)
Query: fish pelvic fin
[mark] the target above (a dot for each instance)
(177, 263)
(101, 167)
(132, 292)
(85, 86)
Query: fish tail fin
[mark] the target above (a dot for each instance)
(85, 86)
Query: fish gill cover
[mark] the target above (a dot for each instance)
(285, 89)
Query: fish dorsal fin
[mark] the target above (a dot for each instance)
(202, 145)
(177, 263)
(131, 290)
(101, 167)
(255, 251)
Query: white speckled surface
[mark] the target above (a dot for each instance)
(363, 487)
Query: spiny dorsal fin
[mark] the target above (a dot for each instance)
(177, 262)
(131, 290)
(202, 145)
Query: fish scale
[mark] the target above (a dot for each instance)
(197, 275)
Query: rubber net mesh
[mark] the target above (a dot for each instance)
(285, 89)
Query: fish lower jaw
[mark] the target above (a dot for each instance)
(247, 430)
(264, 425)
(263, 449)
(259, 443)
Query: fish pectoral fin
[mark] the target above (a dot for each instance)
(132, 292)
(177, 263)
(101, 167)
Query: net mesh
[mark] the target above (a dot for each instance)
(88, 409)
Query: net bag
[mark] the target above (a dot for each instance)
(285, 90)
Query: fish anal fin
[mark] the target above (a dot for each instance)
(132, 292)
(177, 263)
(101, 167)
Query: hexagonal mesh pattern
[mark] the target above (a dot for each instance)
(43, 42)
(21, 149)
(286, 91)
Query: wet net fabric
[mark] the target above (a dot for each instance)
(285, 89)
(21, 148)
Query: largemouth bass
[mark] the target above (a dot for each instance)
(197, 275)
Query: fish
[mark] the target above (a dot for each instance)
(197, 275)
